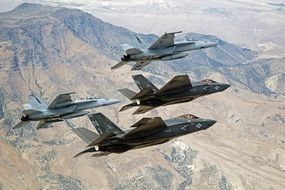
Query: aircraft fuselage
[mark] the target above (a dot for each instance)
(68, 110)
(175, 128)
(170, 53)
(181, 95)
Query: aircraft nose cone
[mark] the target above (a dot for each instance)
(211, 123)
(226, 86)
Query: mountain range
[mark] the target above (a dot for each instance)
(50, 50)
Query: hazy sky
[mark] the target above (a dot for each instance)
(248, 23)
(6, 5)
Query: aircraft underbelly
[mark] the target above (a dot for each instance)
(184, 47)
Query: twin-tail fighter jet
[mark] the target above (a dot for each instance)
(146, 132)
(63, 107)
(163, 49)
(178, 90)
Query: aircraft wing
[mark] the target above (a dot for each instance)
(147, 126)
(165, 41)
(143, 109)
(178, 82)
(43, 124)
(60, 99)
(140, 64)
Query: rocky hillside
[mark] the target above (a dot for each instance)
(51, 50)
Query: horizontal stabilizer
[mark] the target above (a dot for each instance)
(85, 151)
(143, 109)
(128, 93)
(43, 124)
(21, 124)
(143, 93)
(101, 139)
(140, 64)
(128, 106)
(121, 63)
(85, 134)
(99, 154)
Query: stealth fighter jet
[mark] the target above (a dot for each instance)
(178, 90)
(63, 107)
(146, 132)
(163, 49)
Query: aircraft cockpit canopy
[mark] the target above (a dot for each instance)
(188, 116)
(208, 81)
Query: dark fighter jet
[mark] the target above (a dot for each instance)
(146, 132)
(178, 90)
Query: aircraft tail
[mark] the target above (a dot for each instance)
(20, 124)
(37, 102)
(121, 63)
(128, 93)
(85, 134)
(29, 110)
(126, 47)
(143, 83)
(103, 124)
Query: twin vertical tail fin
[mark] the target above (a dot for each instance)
(146, 88)
(143, 83)
(85, 134)
(104, 125)
(37, 102)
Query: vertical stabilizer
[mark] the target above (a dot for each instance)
(143, 83)
(103, 124)
(37, 102)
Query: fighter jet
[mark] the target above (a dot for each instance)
(63, 107)
(178, 90)
(163, 49)
(146, 132)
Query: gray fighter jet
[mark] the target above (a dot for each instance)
(163, 49)
(63, 107)
(146, 132)
(178, 90)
